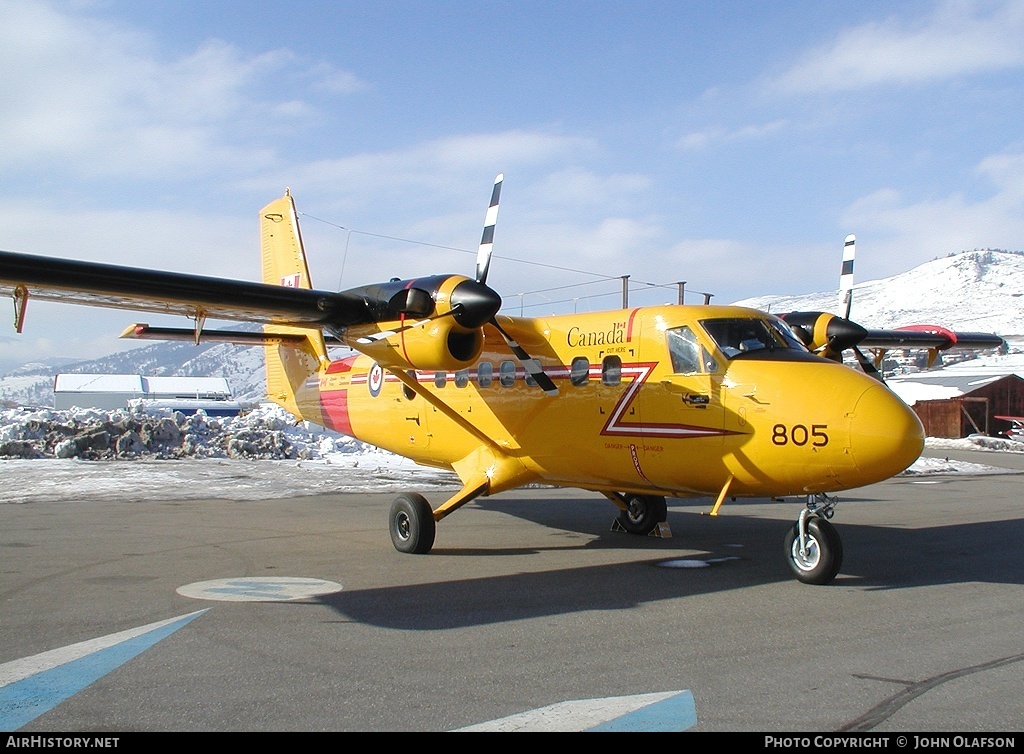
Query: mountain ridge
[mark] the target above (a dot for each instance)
(979, 291)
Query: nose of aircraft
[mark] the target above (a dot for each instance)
(885, 434)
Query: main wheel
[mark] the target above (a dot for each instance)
(412, 524)
(824, 556)
(644, 513)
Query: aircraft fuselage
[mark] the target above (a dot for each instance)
(671, 400)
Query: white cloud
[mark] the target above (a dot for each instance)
(97, 97)
(961, 37)
(577, 187)
(699, 140)
(915, 232)
(438, 167)
(180, 241)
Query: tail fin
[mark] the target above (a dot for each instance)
(290, 364)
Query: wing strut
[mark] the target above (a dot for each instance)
(20, 304)
(200, 320)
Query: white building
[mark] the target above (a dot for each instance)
(112, 391)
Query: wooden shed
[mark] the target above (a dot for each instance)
(972, 409)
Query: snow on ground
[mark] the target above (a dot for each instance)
(110, 455)
(41, 480)
(79, 454)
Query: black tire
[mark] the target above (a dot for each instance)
(644, 514)
(412, 524)
(824, 552)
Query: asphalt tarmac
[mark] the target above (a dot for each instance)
(529, 599)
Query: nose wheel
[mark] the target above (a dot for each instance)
(814, 550)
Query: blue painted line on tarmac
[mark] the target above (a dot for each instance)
(21, 701)
(677, 713)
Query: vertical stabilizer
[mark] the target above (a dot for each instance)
(290, 365)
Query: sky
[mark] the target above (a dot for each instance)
(728, 144)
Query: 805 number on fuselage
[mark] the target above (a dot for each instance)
(800, 435)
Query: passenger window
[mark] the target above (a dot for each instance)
(462, 378)
(579, 371)
(440, 378)
(611, 371)
(507, 373)
(484, 374)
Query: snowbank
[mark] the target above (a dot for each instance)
(266, 433)
(54, 455)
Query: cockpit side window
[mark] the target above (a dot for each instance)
(684, 350)
(741, 336)
(687, 354)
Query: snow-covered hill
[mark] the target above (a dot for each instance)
(241, 366)
(978, 291)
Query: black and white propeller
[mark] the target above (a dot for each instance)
(829, 335)
(472, 303)
(483, 264)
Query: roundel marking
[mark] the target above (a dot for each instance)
(375, 380)
(259, 589)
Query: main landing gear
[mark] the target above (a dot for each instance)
(642, 513)
(813, 548)
(412, 524)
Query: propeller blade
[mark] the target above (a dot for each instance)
(846, 276)
(483, 255)
(531, 365)
(867, 365)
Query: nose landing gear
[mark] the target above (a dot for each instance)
(814, 550)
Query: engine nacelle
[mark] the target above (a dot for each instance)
(825, 333)
(440, 344)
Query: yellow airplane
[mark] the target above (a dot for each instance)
(637, 404)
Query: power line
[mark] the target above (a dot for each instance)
(601, 277)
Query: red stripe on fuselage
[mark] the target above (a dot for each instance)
(629, 327)
(334, 403)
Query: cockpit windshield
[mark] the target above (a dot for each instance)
(759, 338)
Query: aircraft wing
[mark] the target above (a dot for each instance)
(25, 277)
(932, 337)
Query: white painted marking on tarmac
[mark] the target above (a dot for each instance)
(259, 589)
(34, 685)
(684, 564)
(649, 713)
(695, 562)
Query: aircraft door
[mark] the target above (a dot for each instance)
(680, 408)
(409, 418)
